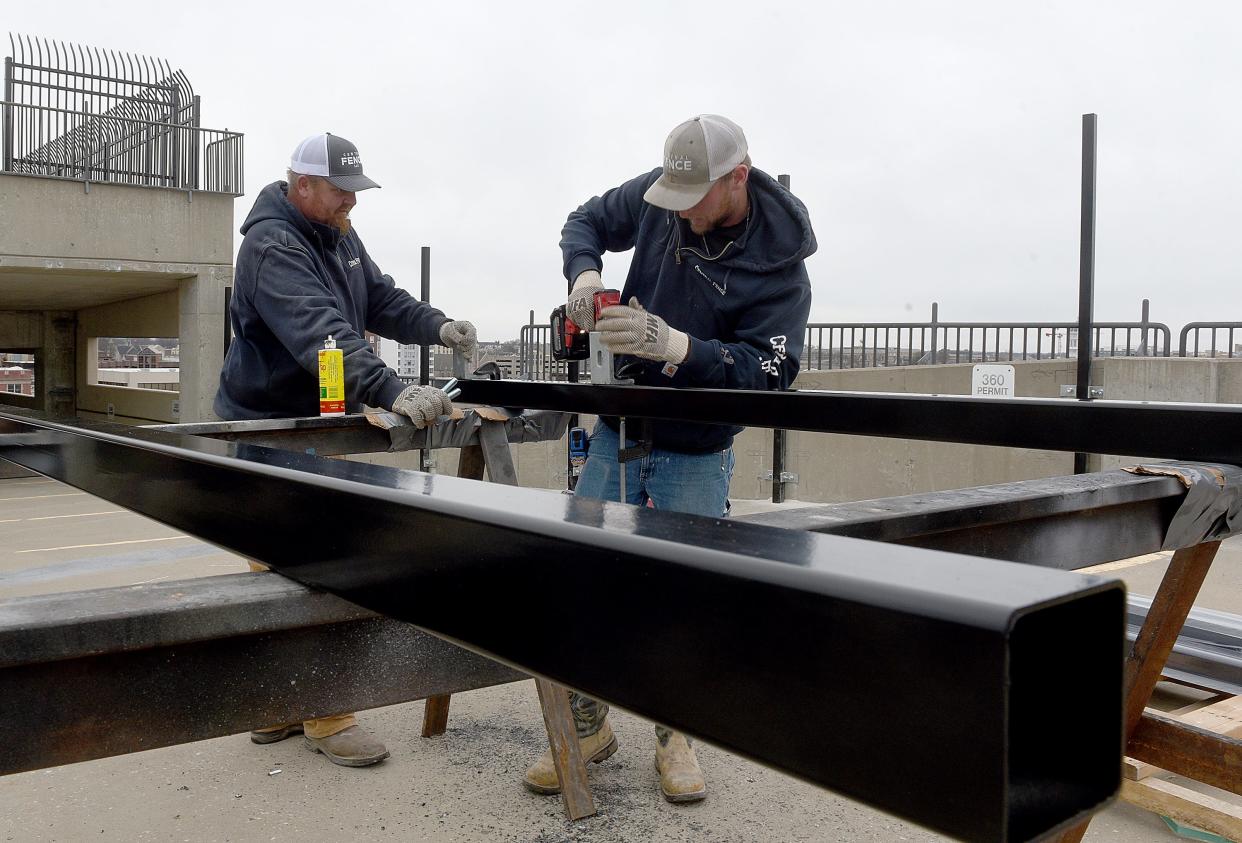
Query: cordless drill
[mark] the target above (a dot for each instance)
(569, 342)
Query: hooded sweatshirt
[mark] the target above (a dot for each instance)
(296, 283)
(744, 303)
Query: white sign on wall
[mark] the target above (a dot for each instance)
(991, 380)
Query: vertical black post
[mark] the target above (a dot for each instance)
(8, 114)
(1144, 325)
(228, 319)
(571, 376)
(1086, 272)
(424, 350)
(780, 441)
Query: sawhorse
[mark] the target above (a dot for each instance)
(492, 453)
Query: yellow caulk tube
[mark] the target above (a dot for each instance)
(331, 379)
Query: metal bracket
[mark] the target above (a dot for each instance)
(1069, 390)
(786, 476)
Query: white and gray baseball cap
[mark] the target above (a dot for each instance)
(696, 154)
(332, 158)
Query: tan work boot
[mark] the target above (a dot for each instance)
(352, 747)
(272, 734)
(541, 776)
(681, 780)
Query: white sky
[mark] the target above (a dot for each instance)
(937, 145)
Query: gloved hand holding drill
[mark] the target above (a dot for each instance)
(632, 330)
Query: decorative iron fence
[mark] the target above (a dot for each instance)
(93, 115)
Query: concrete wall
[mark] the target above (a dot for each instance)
(49, 335)
(64, 219)
(103, 253)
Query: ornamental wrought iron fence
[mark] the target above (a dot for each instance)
(90, 114)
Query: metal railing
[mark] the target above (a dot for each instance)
(859, 345)
(57, 143)
(1189, 340)
(88, 114)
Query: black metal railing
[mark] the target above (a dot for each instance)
(57, 143)
(860, 345)
(88, 114)
(1190, 341)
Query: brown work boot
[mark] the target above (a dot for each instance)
(541, 776)
(681, 780)
(272, 734)
(352, 747)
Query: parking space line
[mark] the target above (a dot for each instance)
(103, 544)
(36, 497)
(75, 515)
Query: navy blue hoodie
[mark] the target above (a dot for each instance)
(744, 307)
(296, 282)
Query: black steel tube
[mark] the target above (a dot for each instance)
(1196, 432)
(889, 642)
(424, 350)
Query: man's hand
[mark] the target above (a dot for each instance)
(632, 330)
(460, 336)
(581, 305)
(423, 404)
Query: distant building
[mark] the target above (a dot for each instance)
(407, 360)
(15, 380)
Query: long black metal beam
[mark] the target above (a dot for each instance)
(1056, 522)
(98, 673)
(1202, 432)
(932, 673)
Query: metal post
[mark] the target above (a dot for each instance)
(424, 351)
(780, 446)
(935, 347)
(1143, 327)
(8, 114)
(1086, 271)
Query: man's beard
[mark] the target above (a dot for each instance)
(726, 210)
(341, 221)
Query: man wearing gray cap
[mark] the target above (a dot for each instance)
(717, 296)
(302, 276)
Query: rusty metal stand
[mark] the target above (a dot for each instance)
(493, 455)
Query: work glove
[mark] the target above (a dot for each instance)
(632, 330)
(460, 336)
(423, 404)
(581, 305)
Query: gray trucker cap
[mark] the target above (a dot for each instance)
(333, 158)
(696, 153)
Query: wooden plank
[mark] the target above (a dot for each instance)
(1178, 589)
(1223, 718)
(1189, 751)
(566, 753)
(435, 715)
(1186, 806)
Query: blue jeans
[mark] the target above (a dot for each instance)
(694, 483)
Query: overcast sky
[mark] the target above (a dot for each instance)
(937, 145)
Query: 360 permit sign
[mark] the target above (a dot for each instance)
(990, 380)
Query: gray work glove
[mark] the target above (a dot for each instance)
(632, 330)
(460, 335)
(423, 404)
(581, 305)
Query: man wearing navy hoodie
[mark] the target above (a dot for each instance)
(302, 276)
(717, 296)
